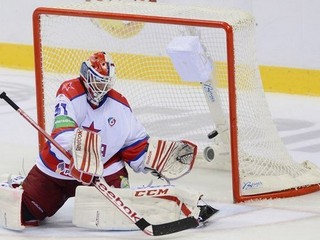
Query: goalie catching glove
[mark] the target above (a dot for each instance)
(170, 159)
(86, 162)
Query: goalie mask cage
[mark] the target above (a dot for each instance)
(135, 35)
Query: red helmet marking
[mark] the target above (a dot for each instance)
(99, 63)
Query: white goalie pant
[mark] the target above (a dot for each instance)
(158, 205)
(10, 208)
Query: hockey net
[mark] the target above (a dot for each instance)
(136, 35)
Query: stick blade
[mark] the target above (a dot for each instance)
(176, 226)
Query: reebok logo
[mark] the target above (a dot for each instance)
(104, 189)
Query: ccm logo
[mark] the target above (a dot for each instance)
(151, 192)
(118, 202)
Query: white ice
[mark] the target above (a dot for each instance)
(296, 117)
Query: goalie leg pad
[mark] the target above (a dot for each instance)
(159, 204)
(100, 213)
(10, 208)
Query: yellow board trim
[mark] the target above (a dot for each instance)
(16, 56)
(291, 80)
(274, 79)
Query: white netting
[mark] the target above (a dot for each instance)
(168, 107)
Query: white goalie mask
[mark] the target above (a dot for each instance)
(98, 74)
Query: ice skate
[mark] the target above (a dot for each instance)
(206, 211)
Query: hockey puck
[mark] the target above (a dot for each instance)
(208, 154)
(212, 134)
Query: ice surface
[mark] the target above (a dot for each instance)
(297, 119)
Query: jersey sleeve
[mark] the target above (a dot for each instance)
(136, 145)
(64, 113)
(65, 117)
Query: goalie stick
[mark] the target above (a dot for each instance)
(112, 194)
(191, 61)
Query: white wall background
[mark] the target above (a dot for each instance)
(288, 31)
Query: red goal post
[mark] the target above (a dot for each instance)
(136, 35)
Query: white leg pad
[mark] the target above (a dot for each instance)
(156, 204)
(10, 208)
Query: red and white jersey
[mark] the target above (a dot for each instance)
(123, 138)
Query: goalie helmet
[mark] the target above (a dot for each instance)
(98, 74)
